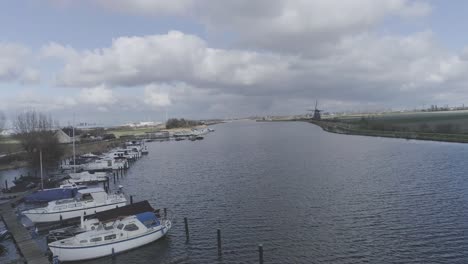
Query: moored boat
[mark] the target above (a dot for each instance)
(86, 177)
(87, 202)
(111, 237)
(65, 191)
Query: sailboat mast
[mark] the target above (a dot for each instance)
(74, 162)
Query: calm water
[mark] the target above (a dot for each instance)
(307, 195)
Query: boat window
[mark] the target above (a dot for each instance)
(84, 241)
(71, 205)
(95, 239)
(120, 226)
(87, 196)
(78, 205)
(131, 227)
(110, 237)
(58, 208)
(109, 163)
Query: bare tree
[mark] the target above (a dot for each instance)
(2, 121)
(36, 133)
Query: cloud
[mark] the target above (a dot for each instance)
(283, 55)
(157, 96)
(149, 7)
(298, 26)
(171, 57)
(99, 95)
(14, 60)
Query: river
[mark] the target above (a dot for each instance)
(308, 196)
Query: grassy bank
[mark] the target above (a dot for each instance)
(435, 126)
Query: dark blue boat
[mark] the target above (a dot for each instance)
(47, 195)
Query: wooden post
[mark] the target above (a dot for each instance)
(131, 199)
(219, 243)
(6, 185)
(61, 220)
(186, 228)
(113, 253)
(260, 253)
(114, 179)
(165, 212)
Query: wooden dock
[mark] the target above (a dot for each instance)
(28, 248)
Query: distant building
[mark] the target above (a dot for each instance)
(143, 124)
(64, 138)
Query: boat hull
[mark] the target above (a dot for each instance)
(101, 250)
(55, 216)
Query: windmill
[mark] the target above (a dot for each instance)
(316, 111)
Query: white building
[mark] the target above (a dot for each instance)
(63, 138)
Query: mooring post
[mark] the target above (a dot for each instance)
(260, 253)
(219, 243)
(61, 220)
(165, 212)
(114, 178)
(6, 185)
(113, 253)
(186, 228)
(131, 199)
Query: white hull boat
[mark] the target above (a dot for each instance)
(111, 238)
(88, 202)
(105, 165)
(86, 177)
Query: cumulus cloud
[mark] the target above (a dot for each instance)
(14, 60)
(299, 26)
(157, 95)
(99, 95)
(286, 53)
(149, 7)
(175, 56)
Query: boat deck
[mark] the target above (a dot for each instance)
(27, 246)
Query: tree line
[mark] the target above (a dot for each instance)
(181, 123)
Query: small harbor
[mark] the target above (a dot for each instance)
(302, 193)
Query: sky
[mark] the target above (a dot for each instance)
(117, 61)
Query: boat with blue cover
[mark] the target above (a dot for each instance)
(112, 236)
(65, 191)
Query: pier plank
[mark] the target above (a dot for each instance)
(31, 252)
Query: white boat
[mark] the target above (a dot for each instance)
(88, 201)
(112, 237)
(122, 154)
(105, 165)
(86, 177)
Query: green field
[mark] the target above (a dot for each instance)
(127, 131)
(454, 122)
(9, 145)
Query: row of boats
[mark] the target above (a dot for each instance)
(107, 223)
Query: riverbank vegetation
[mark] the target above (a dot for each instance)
(35, 131)
(437, 126)
(181, 123)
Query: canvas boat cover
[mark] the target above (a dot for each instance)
(148, 219)
(131, 209)
(48, 195)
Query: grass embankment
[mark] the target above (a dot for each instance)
(141, 131)
(435, 126)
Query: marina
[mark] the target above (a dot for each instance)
(228, 198)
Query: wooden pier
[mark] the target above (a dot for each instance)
(28, 248)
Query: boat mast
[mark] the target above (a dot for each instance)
(40, 161)
(74, 162)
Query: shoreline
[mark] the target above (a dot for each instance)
(346, 129)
